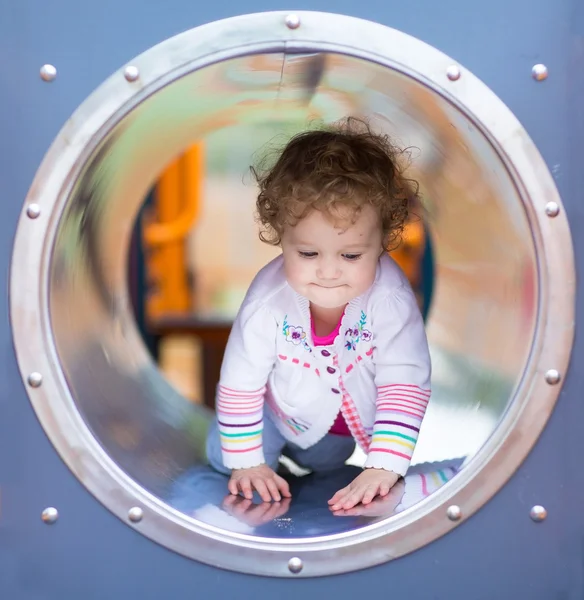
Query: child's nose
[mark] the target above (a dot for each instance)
(328, 269)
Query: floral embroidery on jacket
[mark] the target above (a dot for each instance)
(295, 335)
(356, 333)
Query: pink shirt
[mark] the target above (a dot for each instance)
(339, 427)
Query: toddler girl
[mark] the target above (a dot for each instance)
(328, 347)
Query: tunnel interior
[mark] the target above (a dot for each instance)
(480, 319)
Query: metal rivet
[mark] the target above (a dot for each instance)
(135, 514)
(50, 515)
(292, 21)
(33, 211)
(131, 73)
(295, 565)
(538, 513)
(35, 379)
(552, 209)
(453, 73)
(48, 72)
(453, 512)
(539, 72)
(552, 376)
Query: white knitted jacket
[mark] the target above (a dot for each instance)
(377, 371)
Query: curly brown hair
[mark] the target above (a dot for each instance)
(345, 165)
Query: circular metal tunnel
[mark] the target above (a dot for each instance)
(499, 324)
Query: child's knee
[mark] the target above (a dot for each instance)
(330, 453)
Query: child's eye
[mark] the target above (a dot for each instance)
(307, 254)
(352, 256)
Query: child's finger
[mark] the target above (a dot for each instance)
(273, 489)
(245, 486)
(370, 493)
(232, 487)
(384, 489)
(353, 499)
(261, 488)
(340, 494)
(340, 498)
(283, 486)
(350, 512)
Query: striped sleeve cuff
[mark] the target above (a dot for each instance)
(240, 419)
(400, 410)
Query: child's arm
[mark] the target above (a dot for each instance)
(402, 376)
(249, 358)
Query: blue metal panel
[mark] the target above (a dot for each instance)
(499, 552)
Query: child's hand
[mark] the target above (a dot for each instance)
(364, 488)
(382, 506)
(267, 483)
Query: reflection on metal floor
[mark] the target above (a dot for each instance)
(202, 493)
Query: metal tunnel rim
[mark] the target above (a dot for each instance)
(534, 398)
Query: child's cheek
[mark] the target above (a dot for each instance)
(297, 271)
(302, 270)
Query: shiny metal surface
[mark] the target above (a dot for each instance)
(295, 565)
(552, 377)
(501, 315)
(552, 209)
(33, 211)
(50, 515)
(454, 513)
(538, 513)
(201, 493)
(48, 72)
(35, 379)
(292, 21)
(453, 73)
(539, 72)
(131, 73)
(135, 514)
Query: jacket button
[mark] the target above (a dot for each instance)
(325, 353)
(330, 370)
(334, 390)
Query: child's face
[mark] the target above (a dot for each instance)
(330, 263)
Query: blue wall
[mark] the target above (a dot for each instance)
(90, 554)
